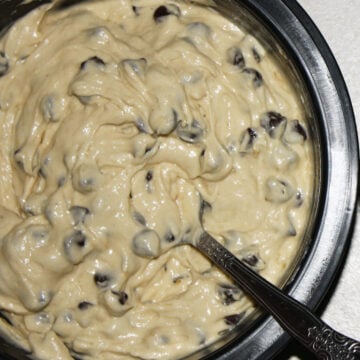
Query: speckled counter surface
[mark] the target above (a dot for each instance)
(338, 21)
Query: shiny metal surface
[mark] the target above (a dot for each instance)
(298, 321)
(338, 165)
(302, 41)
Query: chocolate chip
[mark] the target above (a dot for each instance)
(94, 60)
(4, 64)
(278, 191)
(236, 57)
(75, 246)
(190, 132)
(274, 123)
(79, 214)
(256, 55)
(170, 237)
(77, 238)
(250, 260)
(234, 319)
(299, 198)
(45, 297)
(5, 317)
(48, 108)
(139, 218)
(102, 280)
(85, 178)
(295, 133)
(141, 126)
(84, 305)
(204, 207)
(163, 11)
(19, 159)
(257, 78)
(299, 129)
(122, 295)
(135, 10)
(149, 175)
(138, 66)
(229, 293)
(41, 173)
(61, 181)
(247, 139)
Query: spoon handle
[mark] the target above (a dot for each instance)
(294, 317)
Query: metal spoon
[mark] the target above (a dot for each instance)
(294, 317)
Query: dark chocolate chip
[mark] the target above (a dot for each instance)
(61, 181)
(274, 123)
(229, 293)
(163, 11)
(135, 10)
(84, 305)
(251, 260)
(256, 55)
(102, 280)
(86, 184)
(122, 295)
(4, 64)
(45, 297)
(77, 238)
(295, 133)
(170, 237)
(247, 139)
(234, 319)
(236, 57)
(278, 191)
(148, 149)
(141, 126)
(204, 207)
(300, 129)
(299, 198)
(190, 133)
(79, 214)
(41, 173)
(75, 246)
(19, 159)
(257, 78)
(5, 317)
(139, 218)
(149, 175)
(138, 66)
(48, 108)
(95, 60)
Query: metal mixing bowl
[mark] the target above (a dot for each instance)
(286, 30)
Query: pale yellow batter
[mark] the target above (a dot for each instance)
(124, 125)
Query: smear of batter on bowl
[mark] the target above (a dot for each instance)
(122, 122)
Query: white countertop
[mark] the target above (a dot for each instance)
(338, 21)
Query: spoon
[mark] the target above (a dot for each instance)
(295, 318)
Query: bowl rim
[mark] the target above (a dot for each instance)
(300, 36)
(303, 40)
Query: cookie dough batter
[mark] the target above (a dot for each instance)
(125, 126)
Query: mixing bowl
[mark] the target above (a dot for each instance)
(290, 35)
